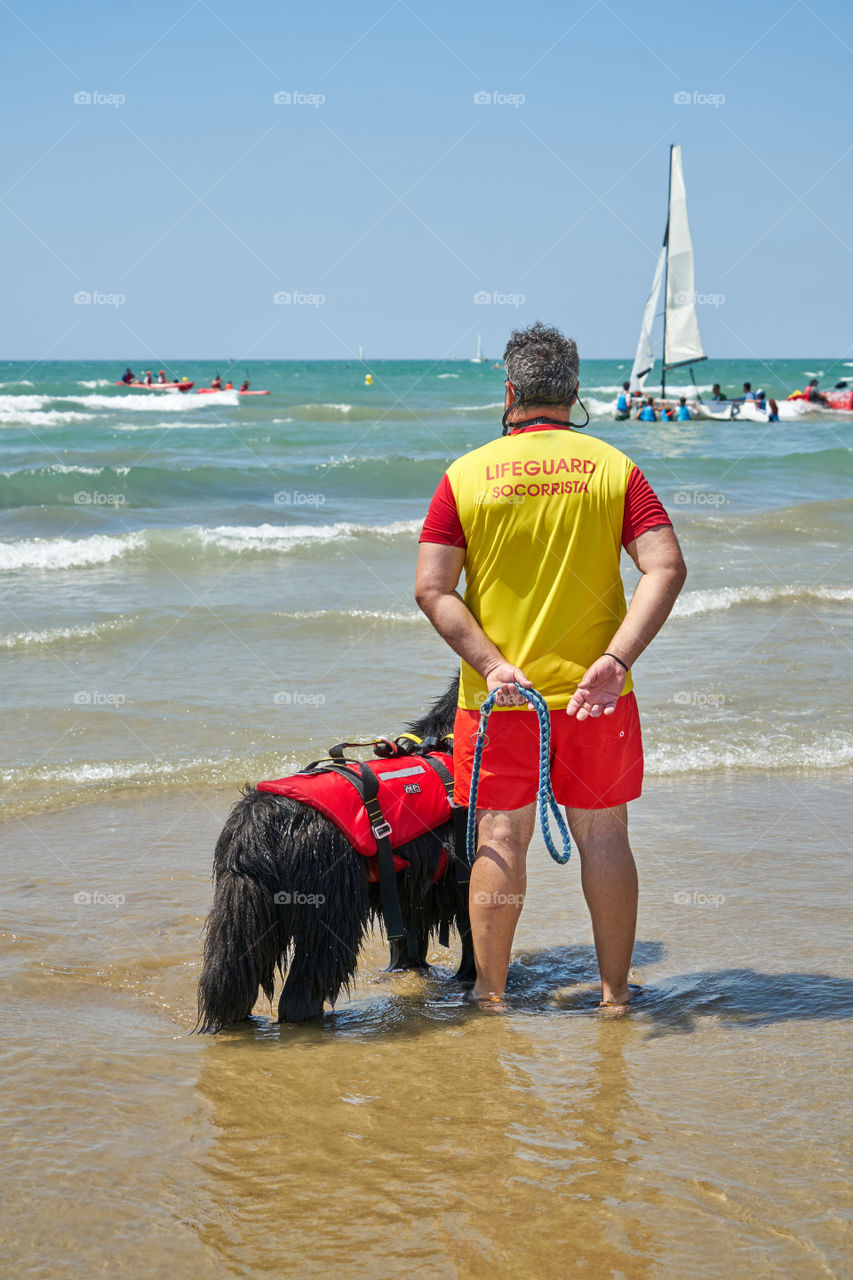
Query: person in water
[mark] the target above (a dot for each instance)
(216, 383)
(623, 403)
(768, 406)
(537, 520)
(682, 413)
(748, 393)
(646, 411)
(128, 376)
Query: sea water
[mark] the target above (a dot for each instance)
(204, 590)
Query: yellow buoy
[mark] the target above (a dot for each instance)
(368, 379)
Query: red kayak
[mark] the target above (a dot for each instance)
(157, 386)
(213, 391)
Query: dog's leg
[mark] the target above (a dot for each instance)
(400, 959)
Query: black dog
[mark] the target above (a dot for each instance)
(291, 893)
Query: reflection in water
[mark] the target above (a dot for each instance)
(451, 1144)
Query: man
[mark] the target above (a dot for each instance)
(682, 413)
(716, 393)
(537, 520)
(812, 395)
(768, 406)
(748, 393)
(646, 411)
(128, 376)
(623, 403)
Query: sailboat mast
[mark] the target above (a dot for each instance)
(666, 278)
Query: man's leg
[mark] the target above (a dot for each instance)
(609, 881)
(496, 894)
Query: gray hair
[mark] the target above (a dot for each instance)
(542, 365)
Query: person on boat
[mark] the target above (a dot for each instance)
(128, 376)
(646, 411)
(812, 394)
(216, 383)
(148, 379)
(229, 386)
(244, 385)
(716, 393)
(537, 520)
(748, 393)
(623, 403)
(161, 377)
(768, 406)
(682, 413)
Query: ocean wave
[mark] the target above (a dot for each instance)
(101, 549)
(96, 382)
(353, 615)
(476, 408)
(59, 635)
(764, 752)
(68, 553)
(42, 418)
(717, 599)
(22, 382)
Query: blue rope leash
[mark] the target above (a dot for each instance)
(545, 795)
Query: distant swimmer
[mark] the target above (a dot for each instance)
(682, 413)
(623, 403)
(748, 393)
(244, 385)
(646, 412)
(128, 376)
(216, 383)
(716, 393)
(767, 405)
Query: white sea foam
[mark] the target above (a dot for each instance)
(96, 382)
(476, 408)
(273, 537)
(37, 418)
(717, 599)
(369, 615)
(449, 375)
(23, 382)
(68, 553)
(761, 753)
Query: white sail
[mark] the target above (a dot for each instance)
(644, 360)
(683, 342)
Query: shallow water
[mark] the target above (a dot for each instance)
(405, 1132)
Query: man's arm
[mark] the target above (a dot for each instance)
(657, 555)
(438, 572)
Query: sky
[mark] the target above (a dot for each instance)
(283, 181)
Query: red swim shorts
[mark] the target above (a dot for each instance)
(595, 764)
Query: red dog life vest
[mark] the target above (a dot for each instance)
(412, 796)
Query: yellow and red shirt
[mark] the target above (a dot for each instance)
(543, 514)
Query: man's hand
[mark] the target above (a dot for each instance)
(599, 690)
(504, 677)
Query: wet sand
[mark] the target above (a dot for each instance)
(699, 1136)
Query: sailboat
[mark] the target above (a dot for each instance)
(479, 358)
(682, 342)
